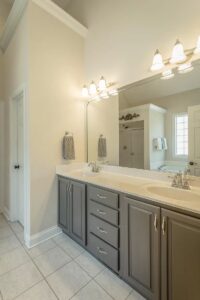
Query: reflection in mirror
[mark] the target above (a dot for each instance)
(152, 124)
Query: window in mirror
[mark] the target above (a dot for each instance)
(181, 135)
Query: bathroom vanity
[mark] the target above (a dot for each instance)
(142, 229)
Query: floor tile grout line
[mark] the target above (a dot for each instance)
(81, 288)
(43, 277)
(103, 289)
(27, 289)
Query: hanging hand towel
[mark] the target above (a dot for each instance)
(102, 147)
(68, 147)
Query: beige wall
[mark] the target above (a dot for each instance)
(124, 34)
(4, 12)
(103, 118)
(56, 75)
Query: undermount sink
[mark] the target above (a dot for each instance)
(174, 193)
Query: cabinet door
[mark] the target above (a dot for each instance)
(63, 203)
(77, 212)
(140, 246)
(180, 257)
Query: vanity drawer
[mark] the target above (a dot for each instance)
(105, 231)
(103, 212)
(104, 252)
(104, 197)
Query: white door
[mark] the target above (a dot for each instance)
(194, 139)
(18, 156)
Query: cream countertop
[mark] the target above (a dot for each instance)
(138, 183)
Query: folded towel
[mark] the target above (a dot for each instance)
(158, 144)
(68, 147)
(102, 147)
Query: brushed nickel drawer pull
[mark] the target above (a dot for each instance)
(102, 230)
(164, 226)
(101, 197)
(156, 223)
(101, 212)
(101, 251)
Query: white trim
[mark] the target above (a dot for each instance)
(40, 237)
(54, 10)
(12, 22)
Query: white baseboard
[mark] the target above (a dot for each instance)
(6, 213)
(42, 236)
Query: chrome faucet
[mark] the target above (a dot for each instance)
(181, 180)
(94, 167)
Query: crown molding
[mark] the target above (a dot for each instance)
(54, 10)
(12, 22)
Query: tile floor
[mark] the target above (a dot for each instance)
(58, 269)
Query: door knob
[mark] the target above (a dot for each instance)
(17, 167)
(192, 163)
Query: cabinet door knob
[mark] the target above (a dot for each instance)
(164, 226)
(155, 222)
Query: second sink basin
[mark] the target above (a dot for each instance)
(174, 193)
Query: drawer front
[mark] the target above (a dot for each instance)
(103, 212)
(104, 252)
(104, 197)
(105, 231)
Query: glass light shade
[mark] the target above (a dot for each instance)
(157, 62)
(85, 92)
(197, 50)
(102, 84)
(185, 68)
(168, 74)
(92, 89)
(178, 54)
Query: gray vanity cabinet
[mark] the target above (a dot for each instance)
(72, 209)
(63, 203)
(180, 257)
(78, 212)
(140, 246)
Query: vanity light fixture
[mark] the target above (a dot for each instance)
(102, 84)
(96, 93)
(92, 89)
(178, 54)
(180, 60)
(157, 61)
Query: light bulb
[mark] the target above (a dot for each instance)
(185, 68)
(168, 74)
(157, 61)
(85, 92)
(178, 54)
(197, 49)
(102, 84)
(92, 89)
